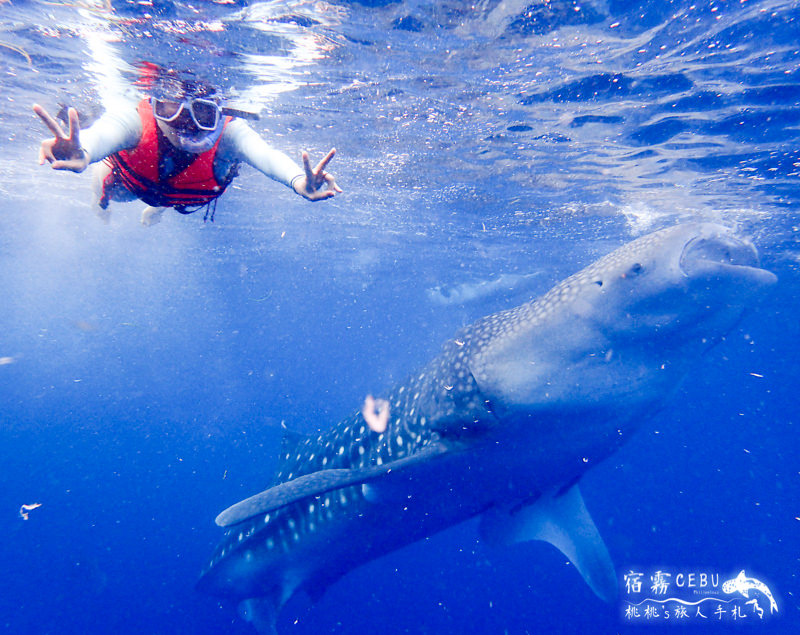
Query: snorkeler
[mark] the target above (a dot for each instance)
(179, 151)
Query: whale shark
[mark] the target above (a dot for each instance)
(501, 425)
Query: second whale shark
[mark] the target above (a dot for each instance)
(501, 425)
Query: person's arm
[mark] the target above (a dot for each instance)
(240, 142)
(114, 131)
(76, 150)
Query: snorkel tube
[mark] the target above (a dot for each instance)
(240, 114)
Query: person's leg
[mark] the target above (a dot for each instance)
(105, 189)
(152, 215)
(100, 172)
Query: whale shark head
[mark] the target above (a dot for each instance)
(684, 280)
(617, 333)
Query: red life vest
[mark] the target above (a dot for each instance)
(137, 170)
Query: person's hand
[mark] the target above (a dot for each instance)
(317, 184)
(64, 152)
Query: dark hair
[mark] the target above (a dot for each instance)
(169, 83)
(199, 88)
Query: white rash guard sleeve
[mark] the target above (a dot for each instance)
(114, 131)
(241, 143)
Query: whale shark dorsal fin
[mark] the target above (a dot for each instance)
(565, 523)
(318, 483)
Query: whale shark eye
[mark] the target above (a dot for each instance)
(635, 269)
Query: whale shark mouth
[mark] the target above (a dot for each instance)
(723, 254)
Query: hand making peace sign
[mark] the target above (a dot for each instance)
(310, 185)
(64, 152)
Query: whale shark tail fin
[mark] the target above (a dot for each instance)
(564, 522)
(261, 613)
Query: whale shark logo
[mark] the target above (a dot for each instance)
(743, 585)
(501, 425)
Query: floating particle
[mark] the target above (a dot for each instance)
(25, 509)
(376, 413)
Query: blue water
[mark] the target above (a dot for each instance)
(146, 371)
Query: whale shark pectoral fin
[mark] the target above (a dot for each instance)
(565, 523)
(318, 483)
